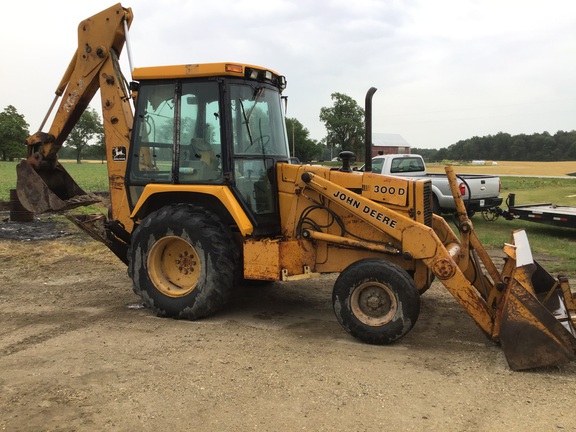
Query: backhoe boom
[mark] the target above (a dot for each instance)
(43, 183)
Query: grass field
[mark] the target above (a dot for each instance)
(92, 177)
(512, 168)
(559, 242)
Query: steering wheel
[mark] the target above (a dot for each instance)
(262, 140)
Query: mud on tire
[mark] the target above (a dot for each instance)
(183, 262)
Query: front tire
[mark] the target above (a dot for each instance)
(183, 262)
(376, 301)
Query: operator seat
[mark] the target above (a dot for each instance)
(203, 151)
(203, 161)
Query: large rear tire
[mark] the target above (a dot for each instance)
(183, 262)
(376, 301)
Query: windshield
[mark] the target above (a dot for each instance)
(377, 165)
(258, 123)
(407, 164)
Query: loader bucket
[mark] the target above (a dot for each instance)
(535, 326)
(49, 189)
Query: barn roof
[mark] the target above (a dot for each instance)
(388, 140)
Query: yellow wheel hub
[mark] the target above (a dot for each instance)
(174, 266)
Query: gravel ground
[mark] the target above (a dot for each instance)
(79, 353)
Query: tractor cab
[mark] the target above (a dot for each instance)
(205, 125)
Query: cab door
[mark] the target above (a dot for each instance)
(259, 142)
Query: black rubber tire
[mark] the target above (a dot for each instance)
(214, 257)
(436, 206)
(376, 301)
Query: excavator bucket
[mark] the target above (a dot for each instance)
(49, 189)
(534, 316)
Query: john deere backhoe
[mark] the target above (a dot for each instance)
(203, 195)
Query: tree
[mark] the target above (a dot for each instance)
(344, 123)
(89, 126)
(13, 133)
(301, 145)
(98, 150)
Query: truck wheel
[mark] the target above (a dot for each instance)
(376, 301)
(183, 262)
(436, 206)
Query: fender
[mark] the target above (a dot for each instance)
(221, 193)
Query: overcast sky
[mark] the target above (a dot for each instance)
(445, 70)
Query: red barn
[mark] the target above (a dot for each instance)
(383, 143)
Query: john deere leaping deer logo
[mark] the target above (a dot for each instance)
(119, 154)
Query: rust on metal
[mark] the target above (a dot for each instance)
(534, 324)
(49, 189)
(530, 335)
(443, 268)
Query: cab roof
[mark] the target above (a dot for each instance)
(197, 70)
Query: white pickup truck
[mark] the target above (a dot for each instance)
(479, 191)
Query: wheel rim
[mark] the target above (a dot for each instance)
(373, 303)
(174, 266)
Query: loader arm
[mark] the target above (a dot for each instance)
(521, 307)
(43, 184)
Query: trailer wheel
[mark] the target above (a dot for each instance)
(376, 301)
(183, 262)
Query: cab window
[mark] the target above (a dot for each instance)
(187, 124)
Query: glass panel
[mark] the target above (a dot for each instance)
(257, 121)
(253, 183)
(154, 134)
(377, 165)
(200, 146)
(409, 164)
(259, 137)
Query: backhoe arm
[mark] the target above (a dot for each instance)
(100, 39)
(43, 183)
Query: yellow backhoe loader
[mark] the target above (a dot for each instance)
(203, 195)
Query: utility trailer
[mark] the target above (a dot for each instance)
(546, 213)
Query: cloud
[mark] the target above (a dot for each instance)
(445, 70)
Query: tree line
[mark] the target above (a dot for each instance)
(344, 123)
(86, 140)
(536, 147)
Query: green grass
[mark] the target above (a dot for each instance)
(92, 177)
(532, 190)
(7, 179)
(558, 243)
